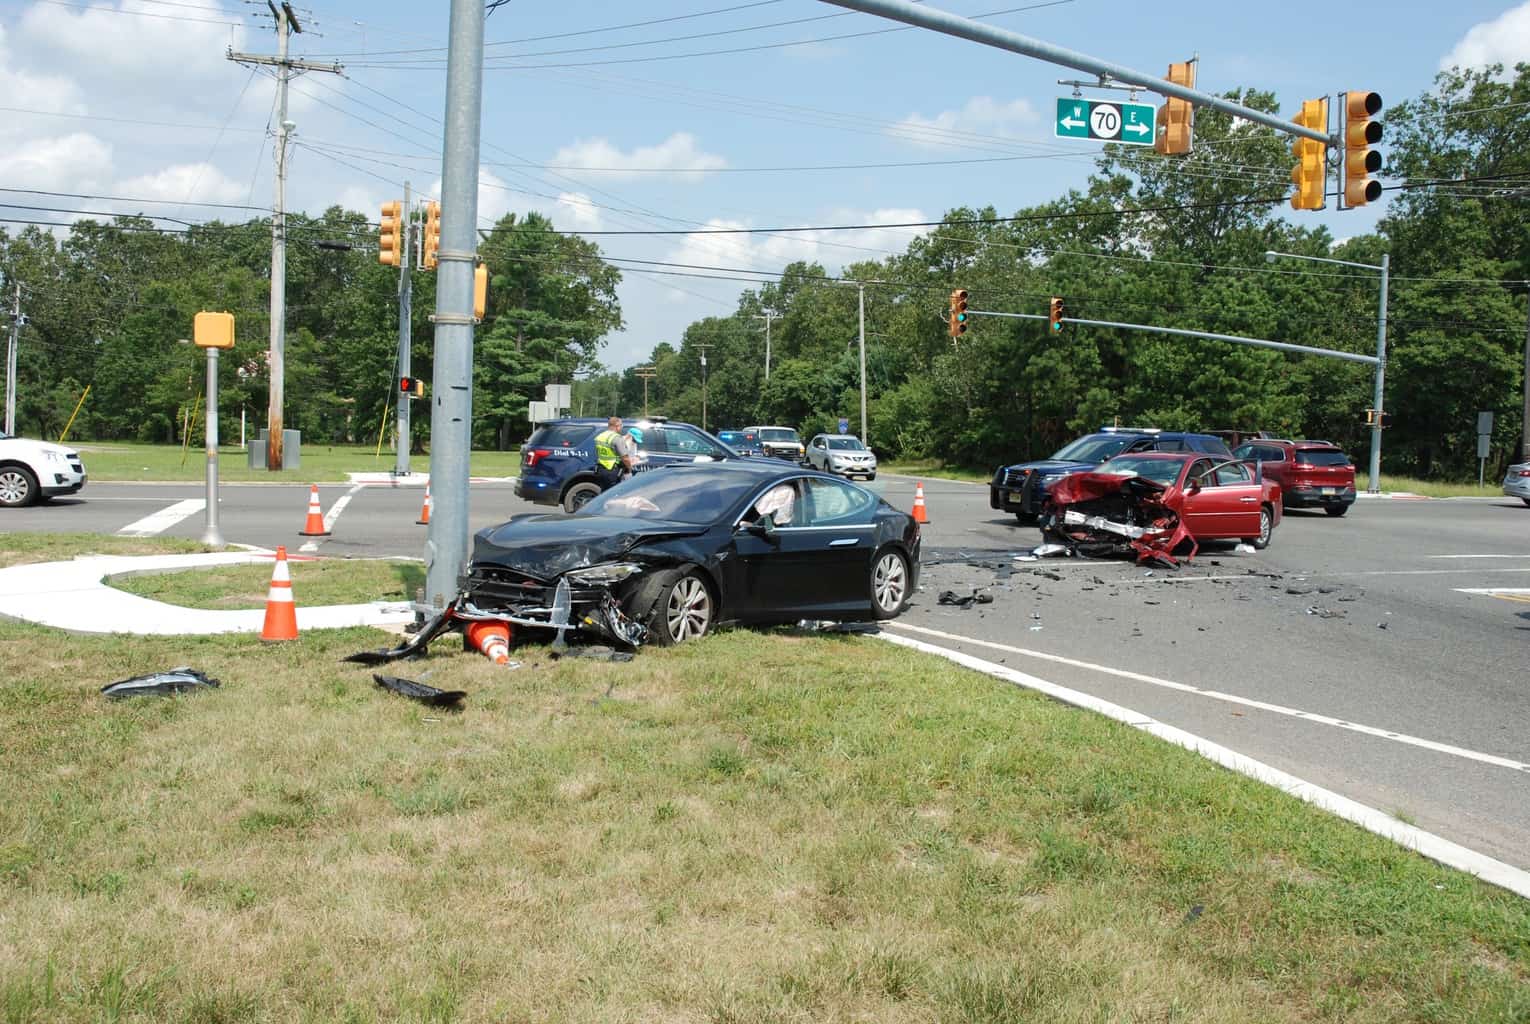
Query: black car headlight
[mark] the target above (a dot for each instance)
(602, 575)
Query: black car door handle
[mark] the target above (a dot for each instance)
(844, 542)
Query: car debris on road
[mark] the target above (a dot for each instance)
(160, 684)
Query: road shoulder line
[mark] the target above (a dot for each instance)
(1436, 848)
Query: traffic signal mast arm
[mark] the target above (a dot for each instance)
(924, 16)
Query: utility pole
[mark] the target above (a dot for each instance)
(860, 304)
(286, 22)
(1524, 421)
(451, 414)
(405, 315)
(647, 374)
(767, 316)
(10, 360)
(703, 349)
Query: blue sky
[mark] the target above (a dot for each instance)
(134, 98)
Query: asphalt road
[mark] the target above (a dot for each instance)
(1351, 653)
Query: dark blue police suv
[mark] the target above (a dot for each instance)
(558, 464)
(1022, 488)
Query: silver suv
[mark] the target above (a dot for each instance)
(842, 454)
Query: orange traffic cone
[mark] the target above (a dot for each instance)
(920, 515)
(424, 519)
(281, 613)
(313, 526)
(492, 638)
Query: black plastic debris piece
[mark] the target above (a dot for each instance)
(595, 652)
(951, 597)
(421, 692)
(1326, 613)
(414, 646)
(1194, 913)
(1298, 590)
(160, 684)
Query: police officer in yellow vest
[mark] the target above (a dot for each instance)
(615, 453)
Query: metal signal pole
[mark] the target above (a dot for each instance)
(405, 315)
(10, 362)
(286, 21)
(451, 414)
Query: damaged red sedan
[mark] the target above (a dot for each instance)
(1162, 506)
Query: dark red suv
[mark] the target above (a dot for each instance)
(1311, 474)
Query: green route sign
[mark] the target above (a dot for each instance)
(1134, 124)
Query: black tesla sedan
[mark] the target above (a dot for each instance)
(666, 556)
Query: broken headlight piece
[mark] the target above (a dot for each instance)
(602, 575)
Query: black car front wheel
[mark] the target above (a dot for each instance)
(889, 584)
(685, 610)
(1336, 510)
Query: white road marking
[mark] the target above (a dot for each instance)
(332, 515)
(162, 520)
(1479, 556)
(1434, 847)
(1278, 709)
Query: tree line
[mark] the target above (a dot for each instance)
(1176, 243)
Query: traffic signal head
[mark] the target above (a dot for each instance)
(1176, 118)
(1360, 160)
(1055, 314)
(389, 235)
(432, 234)
(957, 322)
(1310, 171)
(480, 291)
(414, 387)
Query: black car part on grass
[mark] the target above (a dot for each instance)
(160, 684)
(420, 692)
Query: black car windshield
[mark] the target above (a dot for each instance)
(1092, 449)
(1321, 457)
(672, 496)
(778, 434)
(1163, 471)
(846, 444)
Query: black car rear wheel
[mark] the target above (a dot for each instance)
(889, 584)
(579, 495)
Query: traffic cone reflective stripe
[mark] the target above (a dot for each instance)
(920, 515)
(313, 526)
(424, 519)
(281, 612)
(492, 639)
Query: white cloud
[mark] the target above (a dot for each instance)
(184, 183)
(46, 92)
(982, 115)
(579, 210)
(678, 153)
(832, 249)
(114, 49)
(569, 211)
(1504, 40)
(71, 163)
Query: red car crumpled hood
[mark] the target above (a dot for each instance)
(1087, 486)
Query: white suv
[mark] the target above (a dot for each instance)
(31, 471)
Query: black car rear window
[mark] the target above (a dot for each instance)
(564, 435)
(1321, 457)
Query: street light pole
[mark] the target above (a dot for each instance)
(1379, 392)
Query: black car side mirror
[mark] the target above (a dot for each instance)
(764, 527)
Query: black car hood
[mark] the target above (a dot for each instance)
(1053, 466)
(546, 546)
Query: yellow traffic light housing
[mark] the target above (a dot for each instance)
(432, 234)
(1055, 313)
(956, 323)
(480, 291)
(389, 238)
(1361, 132)
(1176, 118)
(213, 330)
(1311, 170)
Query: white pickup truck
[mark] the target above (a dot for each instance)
(32, 471)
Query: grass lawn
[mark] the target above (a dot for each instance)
(120, 460)
(327, 581)
(756, 827)
(934, 469)
(1491, 488)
